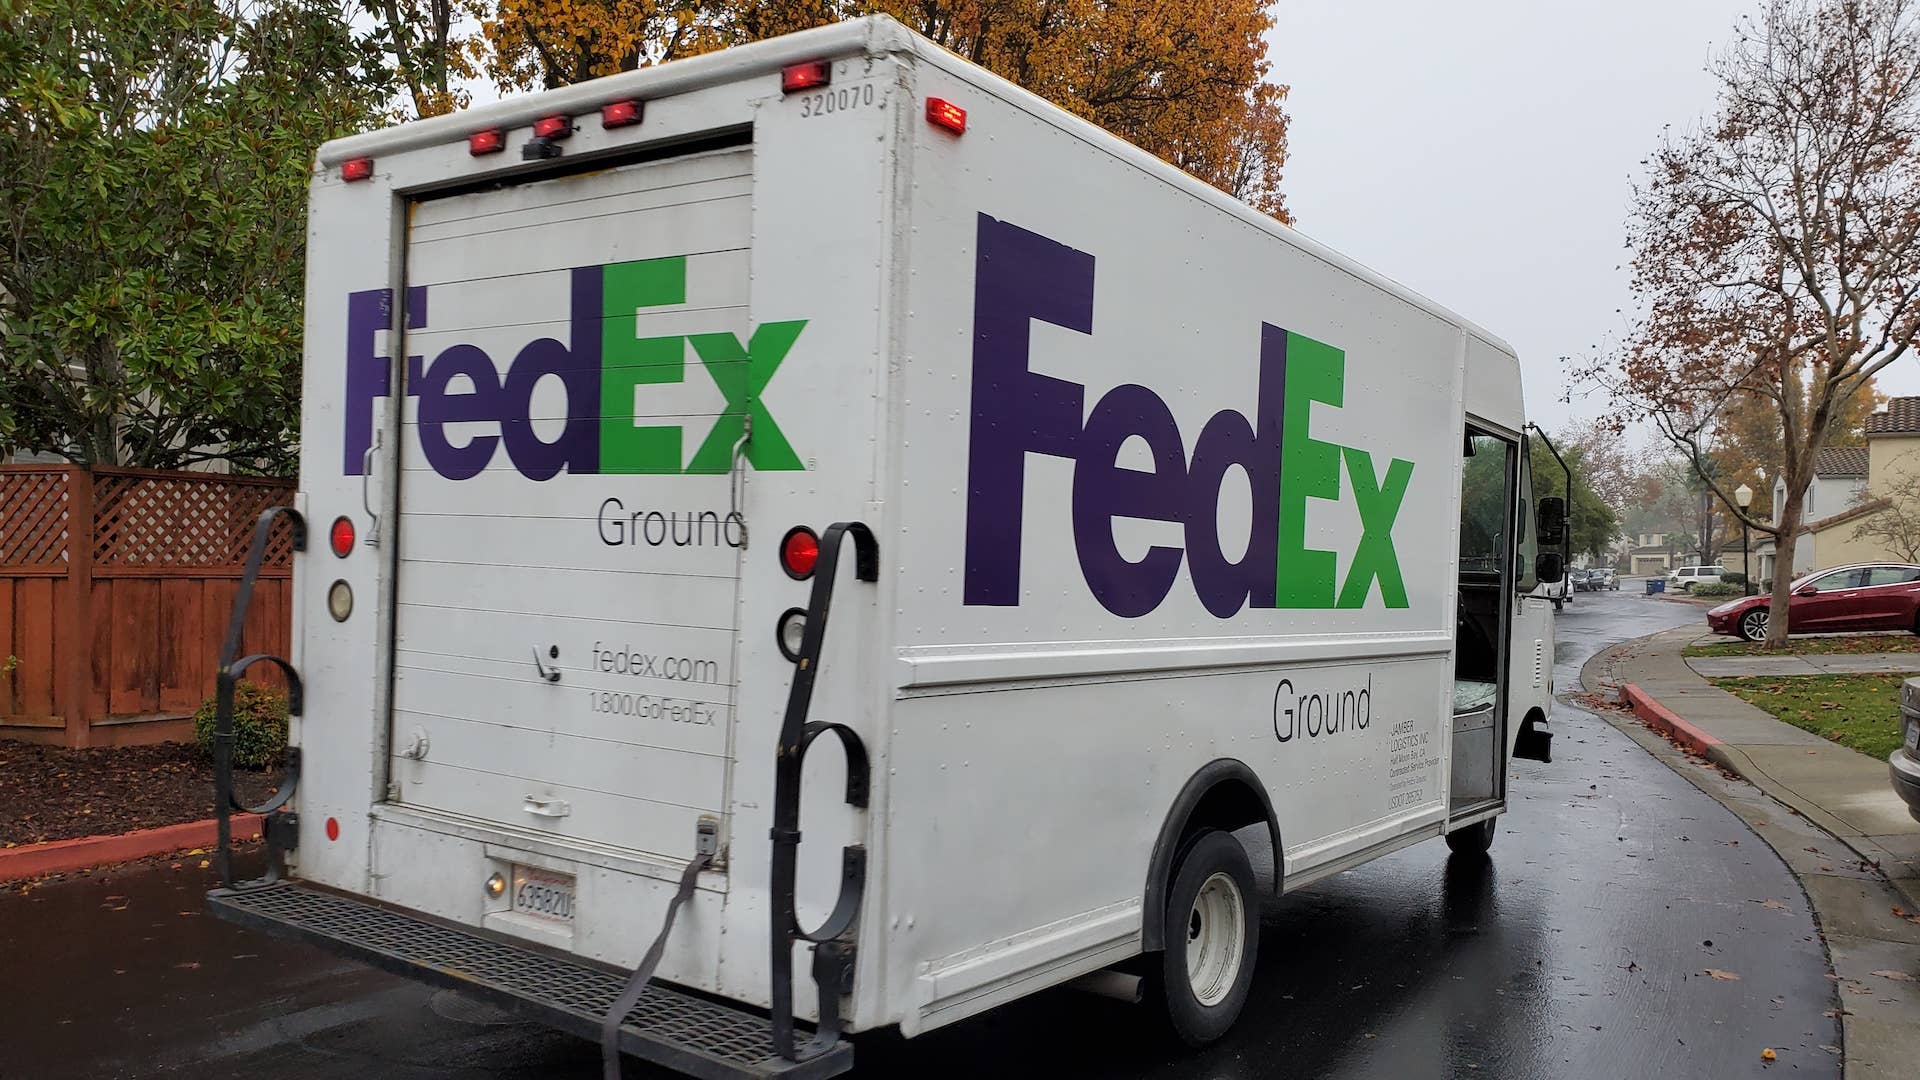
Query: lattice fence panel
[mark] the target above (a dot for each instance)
(173, 520)
(33, 518)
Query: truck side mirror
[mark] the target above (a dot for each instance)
(1552, 514)
(1547, 566)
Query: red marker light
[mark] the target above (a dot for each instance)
(799, 551)
(621, 114)
(945, 114)
(490, 141)
(805, 76)
(340, 537)
(333, 829)
(553, 127)
(359, 168)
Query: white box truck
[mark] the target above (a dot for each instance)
(1141, 520)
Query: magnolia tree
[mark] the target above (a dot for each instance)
(1776, 249)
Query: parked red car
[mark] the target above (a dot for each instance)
(1865, 596)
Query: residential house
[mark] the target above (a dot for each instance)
(1650, 554)
(1851, 484)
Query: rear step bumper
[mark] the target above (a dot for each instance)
(689, 1034)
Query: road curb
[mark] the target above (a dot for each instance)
(1663, 719)
(66, 856)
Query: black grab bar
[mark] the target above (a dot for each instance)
(833, 948)
(279, 828)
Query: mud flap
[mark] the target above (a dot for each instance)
(1535, 742)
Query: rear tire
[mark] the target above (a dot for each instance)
(1212, 939)
(1475, 839)
(1753, 625)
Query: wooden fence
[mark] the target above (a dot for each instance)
(115, 589)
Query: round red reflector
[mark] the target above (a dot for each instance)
(333, 829)
(799, 551)
(341, 537)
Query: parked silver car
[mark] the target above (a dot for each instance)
(1904, 764)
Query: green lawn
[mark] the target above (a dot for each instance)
(1848, 643)
(1861, 712)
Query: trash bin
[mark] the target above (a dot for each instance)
(1655, 585)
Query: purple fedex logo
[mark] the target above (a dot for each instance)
(1022, 277)
(602, 369)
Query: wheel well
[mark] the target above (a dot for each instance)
(1225, 794)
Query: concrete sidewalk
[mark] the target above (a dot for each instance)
(1842, 791)
(1809, 664)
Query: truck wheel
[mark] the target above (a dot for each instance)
(1475, 839)
(1212, 936)
(1753, 625)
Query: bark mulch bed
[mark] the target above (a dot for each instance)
(52, 793)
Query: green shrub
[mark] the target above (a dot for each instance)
(1734, 577)
(1718, 588)
(259, 727)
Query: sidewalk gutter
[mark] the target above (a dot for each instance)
(1872, 941)
(66, 856)
(1662, 719)
(1840, 790)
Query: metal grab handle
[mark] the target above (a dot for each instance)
(737, 476)
(230, 670)
(223, 732)
(833, 957)
(366, 501)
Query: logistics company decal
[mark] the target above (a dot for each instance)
(604, 370)
(1021, 278)
(591, 402)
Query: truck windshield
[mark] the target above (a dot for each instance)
(1483, 507)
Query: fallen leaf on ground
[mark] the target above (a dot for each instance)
(1723, 976)
(1897, 976)
(1774, 904)
(1768, 1054)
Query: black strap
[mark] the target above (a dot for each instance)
(637, 985)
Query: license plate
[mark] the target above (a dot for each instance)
(542, 894)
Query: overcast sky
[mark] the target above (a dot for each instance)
(1480, 152)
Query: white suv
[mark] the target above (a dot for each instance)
(1686, 577)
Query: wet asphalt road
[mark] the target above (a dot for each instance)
(1580, 950)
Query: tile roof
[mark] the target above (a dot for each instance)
(1841, 461)
(1902, 415)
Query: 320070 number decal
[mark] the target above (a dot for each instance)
(841, 100)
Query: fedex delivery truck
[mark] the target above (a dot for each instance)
(812, 538)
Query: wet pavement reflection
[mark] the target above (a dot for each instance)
(1581, 949)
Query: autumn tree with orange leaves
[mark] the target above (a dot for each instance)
(1776, 250)
(1187, 82)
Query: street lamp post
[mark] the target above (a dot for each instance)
(1743, 495)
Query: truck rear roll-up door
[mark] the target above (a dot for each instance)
(564, 502)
